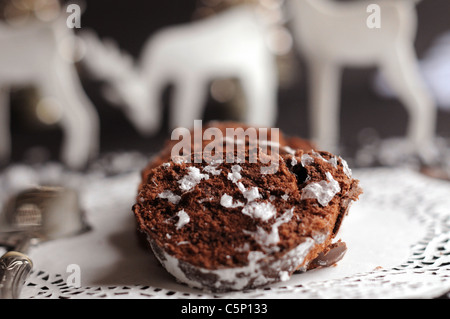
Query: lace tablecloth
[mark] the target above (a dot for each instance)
(398, 237)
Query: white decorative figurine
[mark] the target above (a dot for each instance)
(231, 44)
(31, 55)
(333, 35)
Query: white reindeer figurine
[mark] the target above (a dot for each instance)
(30, 55)
(228, 45)
(332, 35)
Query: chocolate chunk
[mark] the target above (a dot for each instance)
(326, 259)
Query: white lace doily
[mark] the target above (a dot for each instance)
(398, 236)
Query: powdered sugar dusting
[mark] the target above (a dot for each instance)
(323, 191)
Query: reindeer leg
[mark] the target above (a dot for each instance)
(149, 121)
(188, 102)
(79, 120)
(402, 73)
(324, 86)
(5, 136)
(260, 87)
(88, 112)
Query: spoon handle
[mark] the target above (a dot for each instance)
(14, 270)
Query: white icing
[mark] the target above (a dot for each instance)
(212, 170)
(256, 210)
(183, 219)
(285, 197)
(264, 239)
(293, 161)
(332, 161)
(170, 196)
(319, 237)
(208, 199)
(250, 194)
(166, 165)
(268, 240)
(307, 160)
(346, 169)
(261, 210)
(323, 191)
(193, 178)
(245, 247)
(227, 202)
(235, 174)
(241, 187)
(240, 277)
(284, 276)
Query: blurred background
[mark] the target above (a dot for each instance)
(367, 114)
(68, 82)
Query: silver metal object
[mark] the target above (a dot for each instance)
(32, 216)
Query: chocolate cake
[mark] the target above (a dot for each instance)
(221, 225)
(287, 143)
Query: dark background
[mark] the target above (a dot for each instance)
(130, 23)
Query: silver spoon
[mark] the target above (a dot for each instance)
(32, 216)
